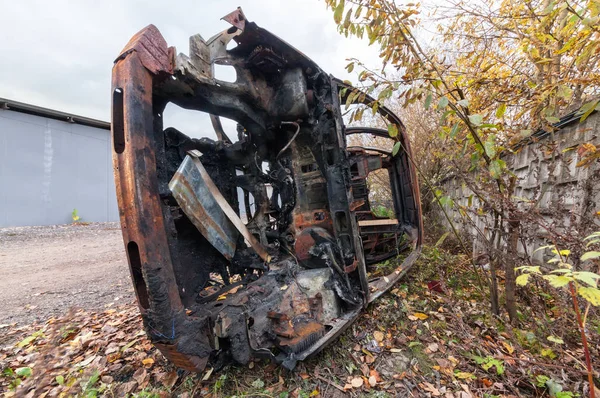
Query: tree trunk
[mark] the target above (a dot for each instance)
(494, 251)
(509, 266)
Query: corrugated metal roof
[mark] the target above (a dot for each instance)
(17, 106)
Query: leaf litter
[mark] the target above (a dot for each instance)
(413, 341)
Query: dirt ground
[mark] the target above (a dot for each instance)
(44, 271)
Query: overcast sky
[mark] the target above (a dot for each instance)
(59, 53)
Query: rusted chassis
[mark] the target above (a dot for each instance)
(169, 257)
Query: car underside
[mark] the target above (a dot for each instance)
(263, 242)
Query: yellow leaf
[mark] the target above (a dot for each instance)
(148, 362)
(508, 347)
(420, 315)
(558, 281)
(378, 336)
(522, 279)
(464, 375)
(555, 339)
(591, 294)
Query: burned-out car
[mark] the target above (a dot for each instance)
(259, 243)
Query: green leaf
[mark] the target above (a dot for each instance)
(591, 294)
(501, 110)
(443, 103)
(587, 277)
(489, 126)
(60, 380)
(555, 339)
(496, 168)
(558, 280)
(347, 19)
(552, 119)
(442, 239)
(454, 131)
(350, 67)
(543, 248)
(587, 109)
(428, 101)
(559, 271)
(590, 255)
(446, 201)
(522, 279)
(547, 352)
(525, 133)
(396, 148)
(540, 380)
(564, 91)
(464, 103)
(494, 362)
(564, 394)
(30, 339)
(375, 107)
(490, 146)
(476, 119)
(392, 130)
(592, 236)
(338, 12)
(258, 383)
(549, 8)
(23, 372)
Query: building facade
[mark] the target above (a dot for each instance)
(51, 164)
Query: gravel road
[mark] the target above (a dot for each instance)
(44, 271)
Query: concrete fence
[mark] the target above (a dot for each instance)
(566, 197)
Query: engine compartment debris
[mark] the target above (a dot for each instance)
(258, 244)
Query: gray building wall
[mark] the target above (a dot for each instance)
(50, 167)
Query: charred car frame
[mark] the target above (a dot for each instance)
(257, 246)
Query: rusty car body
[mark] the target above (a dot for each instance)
(258, 245)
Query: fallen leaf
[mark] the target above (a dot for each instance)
(357, 382)
(87, 361)
(148, 362)
(127, 388)
(207, 375)
(508, 347)
(464, 375)
(169, 379)
(418, 315)
(372, 381)
(433, 347)
(378, 336)
(431, 388)
(140, 375)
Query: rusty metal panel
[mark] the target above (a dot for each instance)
(197, 201)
